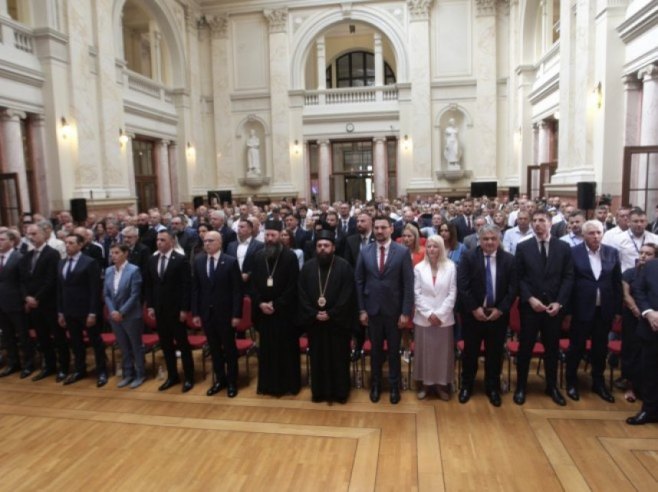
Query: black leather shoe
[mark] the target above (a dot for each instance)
(26, 373)
(74, 378)
(187, 385)
(603, 392)
(494, 398)
(572, 392)
(61, 376)
(43, 374)
(7, 371)
(375, 392)
(464, 395)
(232, 391)
(642, 418)
(556, 396)
(395, 395)
(214, 389)
(519, 396)
(168, 384)
(101, 381)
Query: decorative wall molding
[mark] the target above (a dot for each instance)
(219, 26)
(278, 20)
(419, 10)
(485, 7)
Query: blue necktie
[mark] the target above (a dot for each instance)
(211, 269)
(489, 281)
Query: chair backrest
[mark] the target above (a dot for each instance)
(616, 325)
(149, 321)
(515, 317)
(245, 322)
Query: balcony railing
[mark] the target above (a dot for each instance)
(352, 95)
(23, 38)
(144, 85)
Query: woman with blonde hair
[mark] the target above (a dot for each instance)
(411, 239)
(435, 293)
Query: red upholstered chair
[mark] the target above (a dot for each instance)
(614, 347)
(198, 341)
(247, 345)
(150, 341)
(304, 350)
(460, 354)
(512, 345)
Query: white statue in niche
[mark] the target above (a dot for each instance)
(253, 155)
(451, 150)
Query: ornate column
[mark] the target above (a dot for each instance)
(279, 101)
(544, 147)
(379, 65)
(380, 167)
(649, 128)
(321, 64)
(227, 164)
(3, 8)
(164, 177)
(14, 157)
(419, 159)
(173, 173)
(324, 170)
(486, 163)
(535, 144)
(633, 105)
(130, 165)
(40, 162)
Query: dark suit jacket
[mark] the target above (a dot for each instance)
(352, 248)
(645, 293)
(390, 293)
(79, 293)
(139, 256)
(254, 247)
(170, 294)
(228, 236)
(471, 241)
(471, 281)
(10, 284)
(300, 238)
(42, 282)
(583, 297)
(462, 227)
(551, 284)
(351, 226)
(221, 292)
(127, 300)
(96, 252)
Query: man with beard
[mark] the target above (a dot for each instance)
(274, 301)
(327, 311)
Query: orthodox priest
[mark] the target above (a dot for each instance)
(274, 305)
(327, 311)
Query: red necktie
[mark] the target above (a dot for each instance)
(382, 257)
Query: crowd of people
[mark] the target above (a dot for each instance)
(382, 277)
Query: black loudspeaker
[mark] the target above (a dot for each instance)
(79, 209)
(480, 188)
(513, 193)
(586, 195)
(197, 201)
(219, 197)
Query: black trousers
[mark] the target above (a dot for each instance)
(223, 352)
(493, 333)
(532, 324)
(383, 328)
(173, 336)
(631, 349)
(598, 329)
(650, 379)
(50, 337)
(14, 332)
(76, 328)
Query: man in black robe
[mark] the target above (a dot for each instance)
(274, 305)
(327, 311)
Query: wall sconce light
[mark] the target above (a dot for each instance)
(190, 152)
(123, 138)
(406, 143)
(296, 148)
(66, 128)
(598, 95)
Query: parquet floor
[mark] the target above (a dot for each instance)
(79, 437)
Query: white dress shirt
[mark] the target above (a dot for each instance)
(595, 264)
(241, 252)
(118, 272)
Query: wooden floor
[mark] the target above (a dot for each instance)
(79, 437)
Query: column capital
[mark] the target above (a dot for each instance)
(12, 115)
(485, 7)
(419, 9)
(650, 72)
(278, 20)
(164, 143)
(631, 82)
(379, 140)
(219, 26)
(324, 142)
(37, 118)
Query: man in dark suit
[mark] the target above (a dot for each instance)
(217, 306)
(90, 249)
(653, 226)
(385, 291)
(292, 225)
(184, 235)
(545, 273)
(487, 284)
(168, 283)
(78, 305)
(465, 222)
(346, 224)
(245, 248)
(138, 254)
(471, 241)
(113, 237)
(218, 222)
(39, 291)
(645, 293)
(12, 311)
(596, 300)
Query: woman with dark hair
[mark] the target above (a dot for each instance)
(454, 248)
(631, 344)
(100, 232)
(288, 240)
(201, 230)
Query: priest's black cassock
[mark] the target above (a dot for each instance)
(279, 370)
(329, 341)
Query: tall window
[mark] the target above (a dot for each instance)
(146, 179)
(357, 69)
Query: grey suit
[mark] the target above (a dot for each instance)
(385, 296)
(126, 300)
